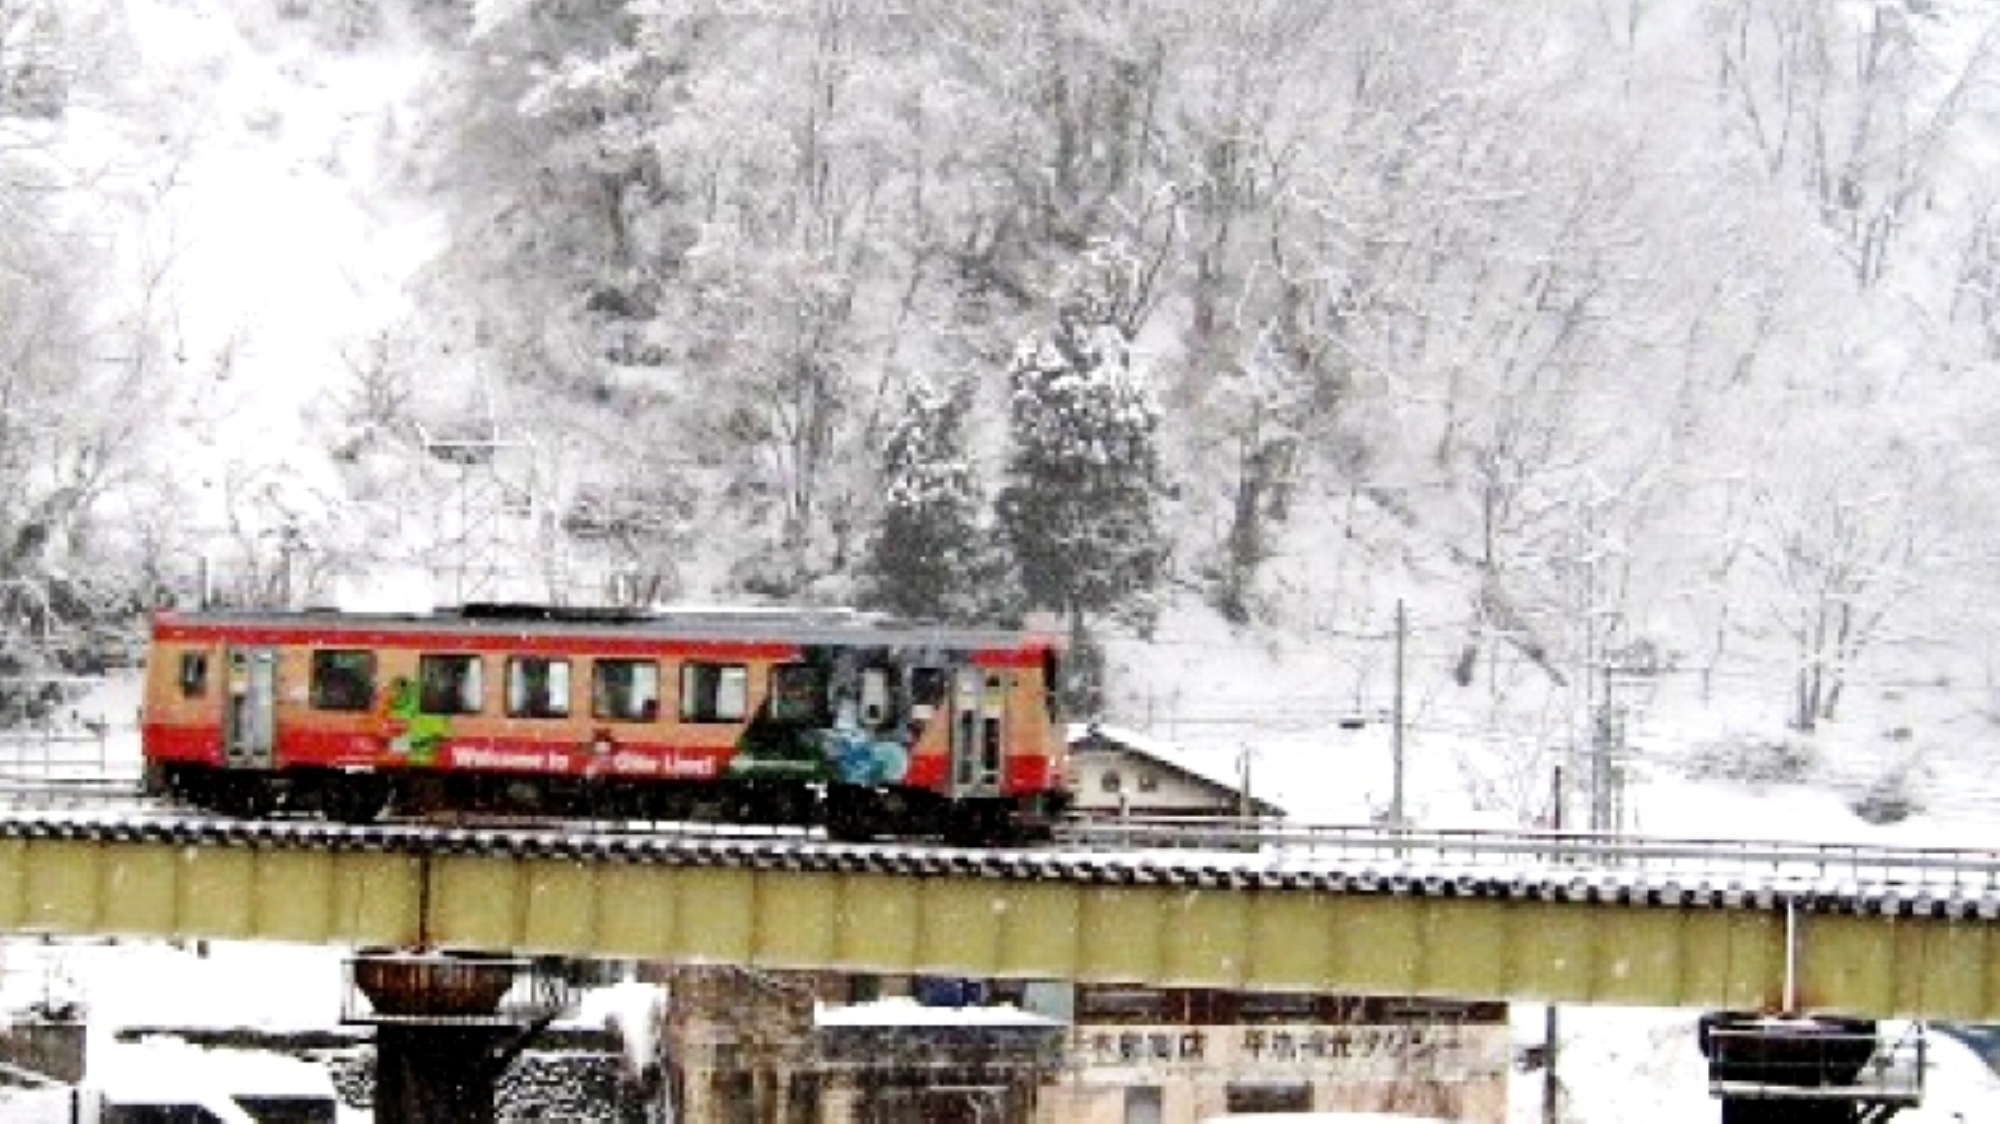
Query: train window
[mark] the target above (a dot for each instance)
(537, 687)
(449, 685)
(798, 693)
(927, 685)
(875, 697)
(343, 680)
(625, 690)
(714, 692)
(194, 674)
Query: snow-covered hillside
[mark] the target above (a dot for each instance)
(246, 180)
(278, 182)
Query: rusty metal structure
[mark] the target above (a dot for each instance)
(447, 1025)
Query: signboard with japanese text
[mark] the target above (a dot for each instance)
(1306, 1050)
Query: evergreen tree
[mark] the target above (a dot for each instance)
(926, 559)
(1080, 511)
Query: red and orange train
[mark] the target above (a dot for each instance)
(867, 726)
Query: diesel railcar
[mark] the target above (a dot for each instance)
(868, 726)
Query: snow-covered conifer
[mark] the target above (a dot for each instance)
(926, 558)
(1081, 507)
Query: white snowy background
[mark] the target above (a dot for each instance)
(259, 187)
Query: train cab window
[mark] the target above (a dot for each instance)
(343, 680)
(194, 674)
(927, 690)
(798, 693)
(450, 685)
(537, 687)
(625, 690)
(714, 692)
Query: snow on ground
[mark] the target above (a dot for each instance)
(269, 987)
(132, 986)
(161, 1068)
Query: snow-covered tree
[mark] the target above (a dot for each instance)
(1081, 510)
(80, 372)
(37, 60)
(929, 558)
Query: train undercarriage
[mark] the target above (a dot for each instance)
(847, 813)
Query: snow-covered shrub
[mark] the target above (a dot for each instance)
(1755, 758)
(338, 23)
(1893, 797)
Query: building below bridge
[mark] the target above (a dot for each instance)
(756, 1047)
(1164, 1056)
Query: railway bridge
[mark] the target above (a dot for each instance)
(1564, 918)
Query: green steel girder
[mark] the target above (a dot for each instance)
(905, 911)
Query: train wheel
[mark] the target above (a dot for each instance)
(771, 803)
(245, 797)
(979, 825)
(964, 828)
(793, 805)
(672, 803)
(356, 800)
(852, 815)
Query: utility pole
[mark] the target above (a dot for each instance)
(1601, 747)
(1552, 1088)
(1396, 722)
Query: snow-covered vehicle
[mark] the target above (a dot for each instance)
(175, 1083)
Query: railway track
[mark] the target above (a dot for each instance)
(1193, 851)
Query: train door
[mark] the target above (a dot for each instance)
(978, 732)
(250, 714)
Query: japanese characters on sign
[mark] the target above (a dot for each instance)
(1311, 1047)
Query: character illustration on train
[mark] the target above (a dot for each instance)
(868, 726)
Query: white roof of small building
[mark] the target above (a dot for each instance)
(1168, 755)
(902, 1011)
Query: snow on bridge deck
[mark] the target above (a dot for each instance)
(1570, 919)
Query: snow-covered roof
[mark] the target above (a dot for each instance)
(902, 1011)
(165, 1070)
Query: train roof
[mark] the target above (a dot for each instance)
(693, 623)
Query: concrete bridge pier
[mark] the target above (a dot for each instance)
(442, 1074)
